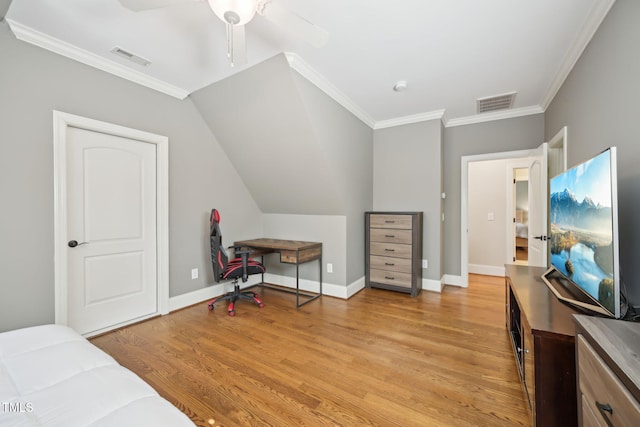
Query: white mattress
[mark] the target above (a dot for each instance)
(52, 376)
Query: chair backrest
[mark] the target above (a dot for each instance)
(219, 257)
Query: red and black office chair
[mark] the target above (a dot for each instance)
(239, 267)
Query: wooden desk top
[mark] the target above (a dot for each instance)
(291, 251)
(278, 244)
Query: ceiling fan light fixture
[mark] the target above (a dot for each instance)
(234, 12)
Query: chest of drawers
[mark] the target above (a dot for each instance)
(608, 372)
(393, 251)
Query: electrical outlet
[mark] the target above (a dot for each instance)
(194, 273)
(491, 216)
(329, 268)
(425, 263)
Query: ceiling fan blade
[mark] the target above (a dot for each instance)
(236, 45)
(295, 24)
(140, 5)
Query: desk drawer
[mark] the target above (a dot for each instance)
(391, 278)
(395, 250)
(391, 221)
(403, 265)
(387, 235)
(598, 384)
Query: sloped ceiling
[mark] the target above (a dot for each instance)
(261, 122)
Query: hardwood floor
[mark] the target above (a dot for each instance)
(379, 358)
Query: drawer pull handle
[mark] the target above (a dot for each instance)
(389, 235)
(605, 407)
(389, 263)
(390, 250)
(389, 277)
(388, 221)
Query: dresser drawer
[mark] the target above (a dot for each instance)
(403, 265)
(387, 235)
(391, 278)
(599, 385)
(395, 250)
(391, 221)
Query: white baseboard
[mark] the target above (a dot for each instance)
(488, 270)
(449, 279)
(200, 295)
(432, 285)
(355, 287)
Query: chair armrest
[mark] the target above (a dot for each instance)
(243, 252)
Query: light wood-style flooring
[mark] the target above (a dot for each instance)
(380, 358)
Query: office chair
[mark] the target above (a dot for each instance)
(239, 267)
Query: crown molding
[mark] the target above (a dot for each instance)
(306, 71)
(496, 115)
(415, 118)
(594, 18)
(60, 47)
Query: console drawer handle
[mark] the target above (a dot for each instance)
(389, 277)
(605, 407)
(389, 263)
(389, 235)
(389, 250)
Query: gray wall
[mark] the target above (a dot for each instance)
(33, 83)
(299, 153)
(490, 137)
(599, 104)
(347, 144)
(407, 175)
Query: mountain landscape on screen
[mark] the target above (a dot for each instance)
(581, 234)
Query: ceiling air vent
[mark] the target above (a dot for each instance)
(497, 102)
(130, 56)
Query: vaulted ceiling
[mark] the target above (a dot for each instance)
(449, 52)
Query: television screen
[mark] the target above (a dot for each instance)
(583, 230)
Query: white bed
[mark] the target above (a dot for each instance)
(52, 376)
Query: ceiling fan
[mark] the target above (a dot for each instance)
(237, 13)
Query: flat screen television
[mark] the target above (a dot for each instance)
(583, 236)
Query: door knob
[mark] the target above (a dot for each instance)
(74, 243)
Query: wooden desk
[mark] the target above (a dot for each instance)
(291, 252)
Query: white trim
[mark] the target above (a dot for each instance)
(487, 270)
(60, 47)
(201, 295)
(306, 71)
(497, 115)
(450, 279)
(464, 208)
(416, 118)
(432, 285)
(595, 17)
(195, 297)
(62, 121)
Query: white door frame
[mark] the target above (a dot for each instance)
(61, 122)
(464, 208)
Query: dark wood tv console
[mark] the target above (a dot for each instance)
(542, 332)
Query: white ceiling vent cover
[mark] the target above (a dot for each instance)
(130, 56)
(497, 102)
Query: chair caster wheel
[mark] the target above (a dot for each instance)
(232, 313)
(261, 305)
(210, 307)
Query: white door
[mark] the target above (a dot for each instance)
(111, 214)
(538, 206)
